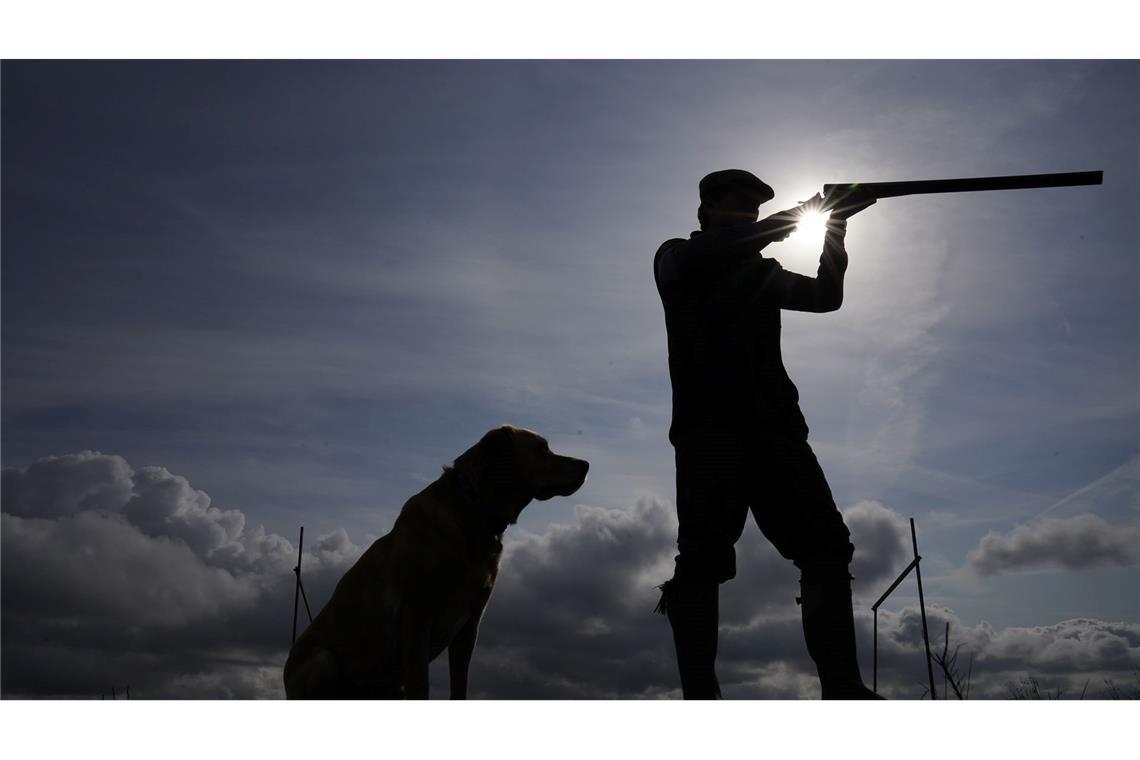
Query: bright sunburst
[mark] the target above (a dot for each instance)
(811, 227)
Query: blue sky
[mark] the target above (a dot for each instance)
(303, 287)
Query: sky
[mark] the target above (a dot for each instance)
(243, 297)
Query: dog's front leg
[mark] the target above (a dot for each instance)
(459, 655)
(414, 656)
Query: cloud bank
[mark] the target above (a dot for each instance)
(1077, 656)
(572, 614)
(117, 576)
(121, 576)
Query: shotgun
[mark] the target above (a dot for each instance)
(834, 192)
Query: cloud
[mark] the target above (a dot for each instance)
(56, 486)
(1071, 655)
(1074, 543)
(1117, 491)
(116, 576)
(163, 504)
(571, 614)
(881, 537)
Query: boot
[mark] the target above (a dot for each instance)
(692, 609)
(829, 630)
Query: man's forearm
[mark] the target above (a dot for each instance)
(832, 266)
(719, 250)
(821, 293)
(716, 250)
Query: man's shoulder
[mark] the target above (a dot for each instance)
(665, 265)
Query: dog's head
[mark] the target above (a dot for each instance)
(510, 466)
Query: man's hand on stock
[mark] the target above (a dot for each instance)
(783, 223)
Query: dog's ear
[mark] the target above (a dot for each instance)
(495, 447)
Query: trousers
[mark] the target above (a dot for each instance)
(723, 473)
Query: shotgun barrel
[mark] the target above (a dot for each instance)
(968, 184)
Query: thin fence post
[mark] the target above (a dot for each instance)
(297, 589)
(922, 607)
(875, 658)
(914, 565)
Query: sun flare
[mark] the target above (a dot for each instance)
(811, 227)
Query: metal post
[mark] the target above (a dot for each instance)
(297, 590)
(922, 607)
(875, 660)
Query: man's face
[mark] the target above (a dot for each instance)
(733, 209)
(738, 209)
(747, 215)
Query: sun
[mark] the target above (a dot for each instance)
(811, 227)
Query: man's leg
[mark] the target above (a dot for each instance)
(711, 514)
(795, 510)
(829, 631)
(692, 609)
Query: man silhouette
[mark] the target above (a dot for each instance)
(738, 434)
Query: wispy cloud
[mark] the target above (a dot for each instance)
(1117, 491)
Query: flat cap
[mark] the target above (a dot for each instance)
(736, 181)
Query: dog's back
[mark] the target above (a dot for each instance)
(350, 650)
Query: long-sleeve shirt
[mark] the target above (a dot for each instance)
(722, 303)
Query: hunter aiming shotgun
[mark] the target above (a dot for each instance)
(739, 436)
(834, 192)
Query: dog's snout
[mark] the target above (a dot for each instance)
(567, 477)
(580, 467)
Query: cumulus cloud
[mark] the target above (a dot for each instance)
(163, 504)
(1075, 656)
(572, 613)
(881, 537)
(571, 616)
(112, 575)
(1074, 543)
(57, 486)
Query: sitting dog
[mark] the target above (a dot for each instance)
(423, 587)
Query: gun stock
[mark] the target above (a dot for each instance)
(967, 184)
